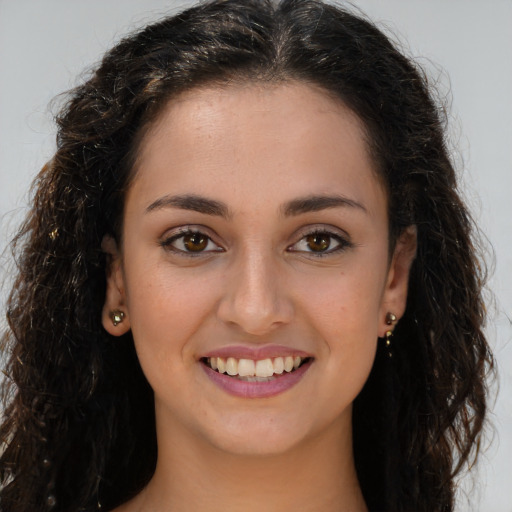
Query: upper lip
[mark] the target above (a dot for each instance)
(256, 353)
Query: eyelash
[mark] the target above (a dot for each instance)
(167, 243)
(342, 242)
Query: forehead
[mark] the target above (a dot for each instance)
(248, 108)
(240, 137)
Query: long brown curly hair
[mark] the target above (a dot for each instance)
(78, 427)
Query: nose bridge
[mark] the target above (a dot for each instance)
(255, 297)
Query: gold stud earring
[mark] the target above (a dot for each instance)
(390, 320)
(117, 316)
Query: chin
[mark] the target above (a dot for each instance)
(258, 436)
(257, 445)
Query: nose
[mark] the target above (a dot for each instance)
(256, 295)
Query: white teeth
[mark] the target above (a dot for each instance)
(288, 363)
(246, 368)
(263, 368)
(221, 365)
(232, 366)
(278, 365)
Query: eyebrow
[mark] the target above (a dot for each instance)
(295, 207)
(318, 203)
(191, 202)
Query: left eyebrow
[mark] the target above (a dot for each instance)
(191, 202)
(318, 203)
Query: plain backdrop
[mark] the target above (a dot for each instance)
(466, 46)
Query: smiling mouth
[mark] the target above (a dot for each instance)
(249, 370)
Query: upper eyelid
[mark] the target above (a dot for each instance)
(178, 231)
(322, 228)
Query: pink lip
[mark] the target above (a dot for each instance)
(256, 353)
(279, 384)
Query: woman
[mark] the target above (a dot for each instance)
(247, 279)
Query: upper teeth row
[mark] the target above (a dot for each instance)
(249, 368)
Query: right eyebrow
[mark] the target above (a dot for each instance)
(316, 203)
(191, 202)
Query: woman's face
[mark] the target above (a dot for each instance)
(255, 234)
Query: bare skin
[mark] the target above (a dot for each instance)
(255, 268)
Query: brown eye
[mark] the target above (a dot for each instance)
(321, 243)
(318, 242)
(195, 242)
(190, 243)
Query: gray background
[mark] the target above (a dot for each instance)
(465, 44)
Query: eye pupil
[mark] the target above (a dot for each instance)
(318, 242)
(195, 242)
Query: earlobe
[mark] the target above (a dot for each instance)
(395, 294)
(115, 318)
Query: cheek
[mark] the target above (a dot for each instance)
(344, 303)
(344, 310)
(166, 309)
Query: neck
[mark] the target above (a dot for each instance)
(194, 476)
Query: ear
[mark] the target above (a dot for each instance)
(395, 294)
(115, 297)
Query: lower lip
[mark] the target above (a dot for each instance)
(279, 384)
